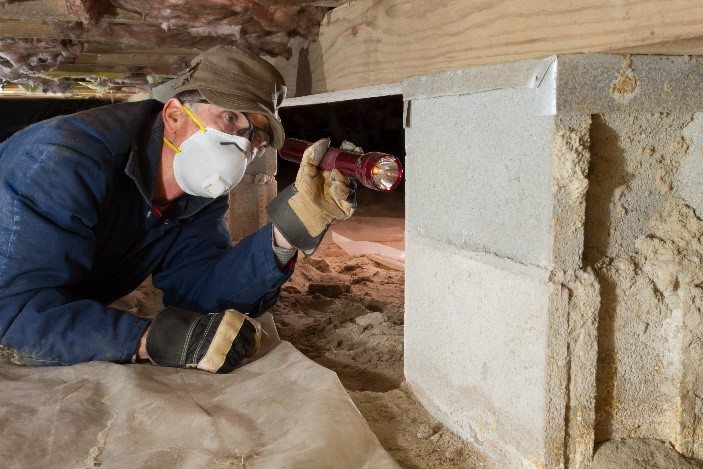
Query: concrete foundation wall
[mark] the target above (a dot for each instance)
(480, 206)
(465, 328)
(554, 254)
(491, 225)
(554, 289)
(471, 161)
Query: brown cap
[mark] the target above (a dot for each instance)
(236, 79)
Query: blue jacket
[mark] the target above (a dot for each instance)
(77, 231)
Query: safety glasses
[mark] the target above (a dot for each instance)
(252, 126)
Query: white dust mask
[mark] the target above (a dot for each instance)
(209, 162)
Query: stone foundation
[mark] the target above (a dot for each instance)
(553, 297)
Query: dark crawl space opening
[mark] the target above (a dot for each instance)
(16, 114)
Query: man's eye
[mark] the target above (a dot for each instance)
(231, 119)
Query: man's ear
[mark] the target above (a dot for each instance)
(172, 115)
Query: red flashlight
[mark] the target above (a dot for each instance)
(375, 170)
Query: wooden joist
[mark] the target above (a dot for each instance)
(56, 10)
(368, 42)
(154, 59)
(12, 91)
(691, 46)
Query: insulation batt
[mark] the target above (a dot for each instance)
(22, 59)
(265, 28)
(261, 28)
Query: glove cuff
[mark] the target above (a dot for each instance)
(289, 223)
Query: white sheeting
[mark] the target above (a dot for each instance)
(281, 410)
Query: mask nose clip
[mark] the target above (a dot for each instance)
(235, 144)
(244, 147)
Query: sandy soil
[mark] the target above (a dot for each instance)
(346, 313)
(636, 453)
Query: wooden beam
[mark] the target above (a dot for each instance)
(368, 42)
(16, 28)
(36, 28)
(97, 48)
(11, 91)
(692, 46)
(129, 59)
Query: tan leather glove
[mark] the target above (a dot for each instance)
(304, 210)
(322, 195)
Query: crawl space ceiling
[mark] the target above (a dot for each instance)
(118, 48)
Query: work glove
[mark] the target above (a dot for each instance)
(215, 342)
(304, 210)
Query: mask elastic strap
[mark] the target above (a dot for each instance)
(171, 145)
(194, 118)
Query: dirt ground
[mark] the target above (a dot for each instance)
(346, 313)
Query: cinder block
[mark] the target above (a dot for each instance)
(517, 337)
(478, 173)
(476, 338)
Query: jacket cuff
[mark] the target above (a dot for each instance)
(283, 255)
(135, 328)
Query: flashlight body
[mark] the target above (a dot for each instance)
(354, 165)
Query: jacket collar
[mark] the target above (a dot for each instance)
(143, 163)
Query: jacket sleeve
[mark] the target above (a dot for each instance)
(204, 272)
(50, 197)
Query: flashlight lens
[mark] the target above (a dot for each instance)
(385, 173)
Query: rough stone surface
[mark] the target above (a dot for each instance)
(625, 85)
(690, 174)
(571, 377)
(643, 240)
(569, 184)
(604, 212)
(635, 453)
(597, 83)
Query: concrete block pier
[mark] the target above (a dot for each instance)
(554, 253)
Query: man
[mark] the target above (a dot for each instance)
(94, 202)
